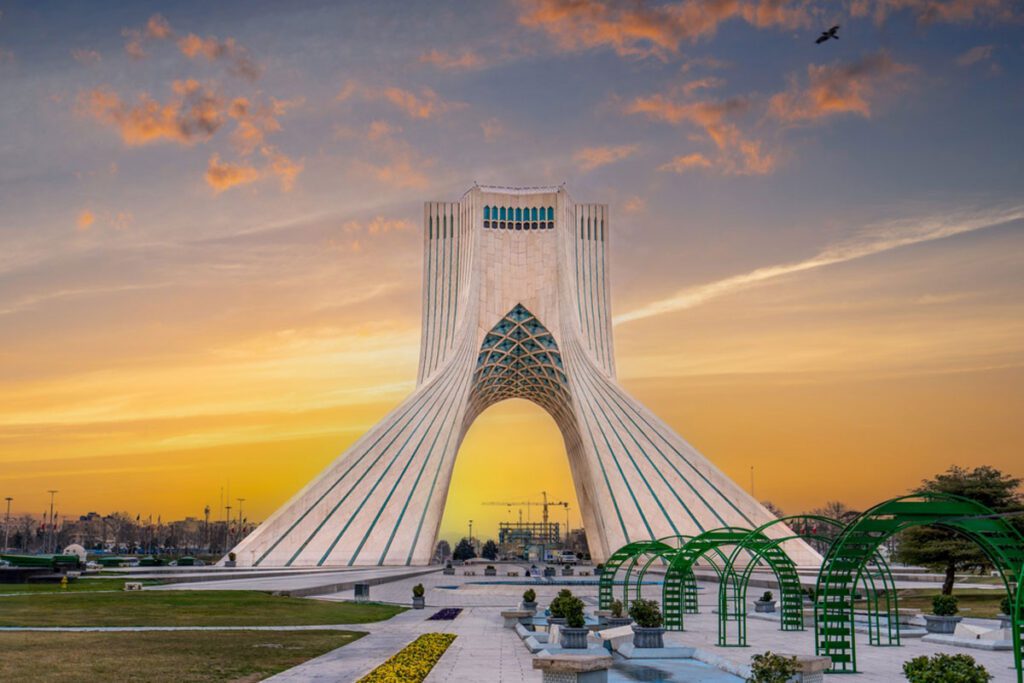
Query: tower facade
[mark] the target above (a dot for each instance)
(516, 304)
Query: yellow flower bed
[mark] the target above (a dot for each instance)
(413, 662)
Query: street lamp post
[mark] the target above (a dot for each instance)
(52, 543)
(7, 524)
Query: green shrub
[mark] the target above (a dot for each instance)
(572, 610)
(767, 596)
(646, 613)
(616, 608)
(418, 590)
(529, 595)
(771, 668)
(945, 605)
(557, 606)
(1004, 605)
(941, 668)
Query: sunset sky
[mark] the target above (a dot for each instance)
(210, 246)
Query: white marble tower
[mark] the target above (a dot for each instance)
(516, 304)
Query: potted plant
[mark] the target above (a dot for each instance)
(943, 667)
(647, 631)
(417, 596)
(772, 668)
(616, 618)
(489, 570)
(556, 610)
(1006, 612)
(230, 561)
(943, 618)
(549, 571)
(574, 633)
(766, 603)
(808, 597)
(448, 570)
(567, 570)
(529, 599)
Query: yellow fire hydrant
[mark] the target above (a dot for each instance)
(64, 582)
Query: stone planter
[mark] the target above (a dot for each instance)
(229, 563)
(615, 622)
(936, 624)
(549, 571)
(417, 602)
(530, 605)
(448, 571)
(573, 638)
(567, 570)
(490, 572)
(648, 637)
(574, 668)
(764, 606)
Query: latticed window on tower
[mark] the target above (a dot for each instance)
(519, 218)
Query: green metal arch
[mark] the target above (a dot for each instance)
(846, 559)
(628, 552)
(691, 581)
(758, 544)
(707, 544)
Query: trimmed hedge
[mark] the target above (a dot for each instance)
(413, 663)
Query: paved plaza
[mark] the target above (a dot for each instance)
(484, 651)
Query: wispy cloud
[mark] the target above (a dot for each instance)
(86, 57)
(590, 158)
(450, 61)
(642, 29)
(837, 89)
(936, 11)
(872, 240)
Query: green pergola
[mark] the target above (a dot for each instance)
(848, 557)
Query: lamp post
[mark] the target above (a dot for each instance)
(206, 528)
(52, 541)
(7, 524)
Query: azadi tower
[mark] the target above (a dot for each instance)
(516, 304)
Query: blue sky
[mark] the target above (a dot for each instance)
(231, 193)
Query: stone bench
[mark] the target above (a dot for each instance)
(582, 668)
(810, 668)
(515, 616)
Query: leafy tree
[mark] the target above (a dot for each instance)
(442, 552)
(464, 550)
(489, 551)
(945, 550)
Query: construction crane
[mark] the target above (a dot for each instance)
(545, 504)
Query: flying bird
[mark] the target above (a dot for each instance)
(825, 35)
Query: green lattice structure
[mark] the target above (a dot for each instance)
(708, 546)
(877, 584)
(690, 583)
(855, 547)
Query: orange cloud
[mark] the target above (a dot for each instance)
(255, 122)
(284, 168)
(87, 57)
(936, 11)
(467, 59)
(213, 49)
(644, 29)
(590, 158)
(737, 153)
(193, 113)
(378, 225)
(223, 175)
(427, 104)
(85, 220)
(157, 28)
(380, 130)
(836, 89)
(682, 164)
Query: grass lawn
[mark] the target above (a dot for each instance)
(974, 602)
(76, 586)
(183, 608)
(167, 656)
